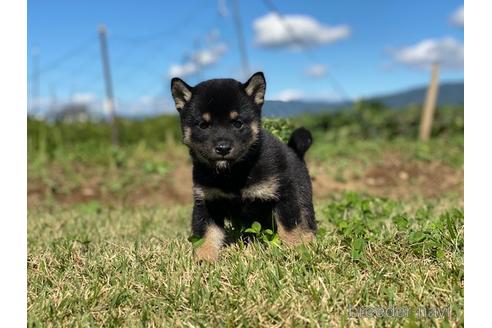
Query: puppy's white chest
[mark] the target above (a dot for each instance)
(264, 190)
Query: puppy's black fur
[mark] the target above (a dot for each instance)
(240, 170)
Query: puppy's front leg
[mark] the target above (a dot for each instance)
(204, 226)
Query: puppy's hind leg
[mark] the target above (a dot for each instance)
(293, 223)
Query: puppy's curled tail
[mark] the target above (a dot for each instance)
(300, 141)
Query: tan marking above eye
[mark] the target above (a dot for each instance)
(233, 115)
(206, 117)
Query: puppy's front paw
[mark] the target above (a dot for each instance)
(213, 240)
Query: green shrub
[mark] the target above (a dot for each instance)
(280, 127)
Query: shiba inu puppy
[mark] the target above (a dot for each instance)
(240, 170)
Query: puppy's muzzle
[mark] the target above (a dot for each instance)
(223, 148)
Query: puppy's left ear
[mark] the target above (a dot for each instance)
(181, 92)
(255, 87)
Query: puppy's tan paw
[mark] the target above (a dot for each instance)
(213, 240)
(207, 253)
(295, 236)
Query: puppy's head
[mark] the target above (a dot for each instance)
(221, 118)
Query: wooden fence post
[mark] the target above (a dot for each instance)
(429, 105)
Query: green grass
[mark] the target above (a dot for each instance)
(447, 150)
(96, 266)
(96, 258)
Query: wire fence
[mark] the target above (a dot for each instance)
(139, 71)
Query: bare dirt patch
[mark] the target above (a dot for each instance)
(395, 178)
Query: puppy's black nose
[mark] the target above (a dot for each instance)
(223, 148)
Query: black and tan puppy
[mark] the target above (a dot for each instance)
(241, 171)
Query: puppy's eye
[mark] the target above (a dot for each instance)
(238, 124)
(203, 125)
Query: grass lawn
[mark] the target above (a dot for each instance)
(108, 235)
(96, 266)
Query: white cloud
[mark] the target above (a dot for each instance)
(295, 31)
(146, 100)
(458, 17)
(40, 102)
(198, 61)
(84, 98)
(316, 70)
(289, 95)
(183, 70)
(144, 105)
(209, 56)
(213, 36)
(222, 8)
(296, 94)
(446, 51)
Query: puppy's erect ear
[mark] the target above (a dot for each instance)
(256, 87)
(181, 92)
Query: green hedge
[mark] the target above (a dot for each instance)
(363, 121)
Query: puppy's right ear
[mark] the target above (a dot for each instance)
(181, 92)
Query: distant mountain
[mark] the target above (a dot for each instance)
(293, 108)
(450, 93)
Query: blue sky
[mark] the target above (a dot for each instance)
(368, 47)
